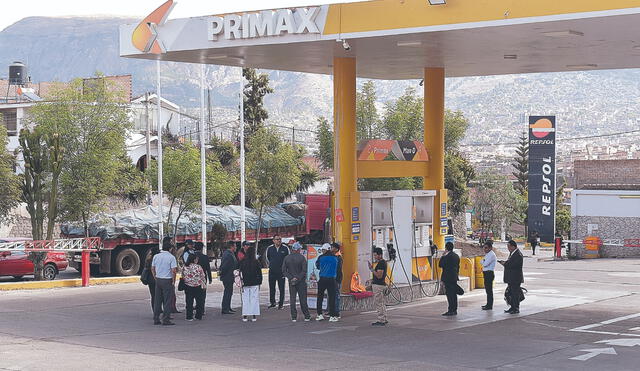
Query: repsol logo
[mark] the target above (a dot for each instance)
(541, 141)
(547, 195)
(264, 23)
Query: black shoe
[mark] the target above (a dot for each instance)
(157, 322)
(272, 305)
(232, 311)
(279, 306)
(226, 312)
(378, 323)
(168, 323)
(514, 311)
(508, 310)
(484, 307)
(449, 313)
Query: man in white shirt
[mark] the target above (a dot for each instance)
(164, 267)
(488, 266)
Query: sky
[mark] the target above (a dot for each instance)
(12, 11)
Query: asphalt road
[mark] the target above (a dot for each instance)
(578, 315)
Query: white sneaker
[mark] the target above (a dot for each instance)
(319, 317)
(189, 319)
(307, 319)
(253, 319)
(333, 319)
(245, 319)
(294, 320)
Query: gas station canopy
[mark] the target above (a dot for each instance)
(396, 39)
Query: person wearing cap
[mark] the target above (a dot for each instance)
(275, 256)
(294, 269)
(513, 276)
(327, 263)
(188, 250)
(335, 250)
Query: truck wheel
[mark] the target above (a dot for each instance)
(127, 262)
(49, 272)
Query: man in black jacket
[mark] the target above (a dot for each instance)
(203, 260)
(513, 276)
(228, 265)
(450, 264)
(275, 257)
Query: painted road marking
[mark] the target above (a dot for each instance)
(334, 329)
(594, 352)
(620, 342)
(588, 328)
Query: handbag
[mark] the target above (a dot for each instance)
(145, 276)
(181, 285)
(459, 290)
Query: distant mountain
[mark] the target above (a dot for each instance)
(586, 102)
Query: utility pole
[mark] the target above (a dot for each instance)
(203, 168)
(148, 139)
(159, 126)
(243, 214)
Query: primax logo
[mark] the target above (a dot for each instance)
(264, 23)
(145, 36)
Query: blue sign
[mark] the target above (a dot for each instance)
(443, 223)
(355, 228)
(443, 209)
(355, 214)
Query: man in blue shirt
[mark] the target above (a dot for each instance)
(327, 263)
(488, 266)
(163, 268)
(275, 257)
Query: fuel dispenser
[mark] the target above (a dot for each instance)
(401, 223)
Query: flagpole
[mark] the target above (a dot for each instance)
(159, 129)
(243, 214)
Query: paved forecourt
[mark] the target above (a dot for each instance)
(577, 315)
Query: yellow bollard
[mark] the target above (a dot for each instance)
(479, 274)
(467, 269)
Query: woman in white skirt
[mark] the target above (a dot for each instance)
(251, 275)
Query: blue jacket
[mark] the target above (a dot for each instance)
(328, 265)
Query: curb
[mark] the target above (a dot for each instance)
(77, 282)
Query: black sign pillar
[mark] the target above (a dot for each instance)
(542, 177)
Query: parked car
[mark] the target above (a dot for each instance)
(17, 264)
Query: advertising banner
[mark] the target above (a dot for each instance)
(542, 177)
(392, 150)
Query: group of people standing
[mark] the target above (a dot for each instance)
(513, 276)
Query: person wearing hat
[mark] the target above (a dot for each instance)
(513, 276)
(294, 268)
(327, 263)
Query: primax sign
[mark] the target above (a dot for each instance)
(264, 23)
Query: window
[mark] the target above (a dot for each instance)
(10, 122)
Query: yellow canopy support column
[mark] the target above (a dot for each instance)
(434, 143)
(345, 177)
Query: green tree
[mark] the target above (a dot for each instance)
(403, 119)
(496, 202)
(521, 164)
(256, 88)
(224, 150)
(563, 221)
(181, 182)
(458, 174)
(367, 119)
(9, 181)
(324, 138)
(272, 170)
(90, 124)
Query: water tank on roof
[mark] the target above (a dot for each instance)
(17, 73)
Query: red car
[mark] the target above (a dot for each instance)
(17, 263)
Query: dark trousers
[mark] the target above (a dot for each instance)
(299, 290)
(273, 278)
(488, 287)
(152, 292)
(533, 248)
(164, 297)
(338, 289)
(514, 299)
(226, 296)
(197, 294)
(327, 284)
(452, 296)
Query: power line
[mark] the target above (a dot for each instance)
(557, 139)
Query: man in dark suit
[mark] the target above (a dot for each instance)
(228, 265)
(513, 276)
(450, 264)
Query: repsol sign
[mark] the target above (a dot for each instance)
(542, 179)
(263, 24)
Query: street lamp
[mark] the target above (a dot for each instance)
(437, 2)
